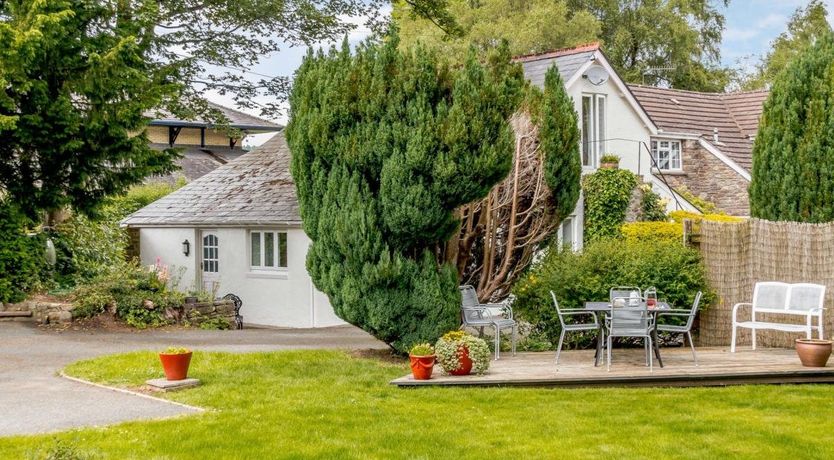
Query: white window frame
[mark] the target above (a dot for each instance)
(276, 250)
(594, 136)
(656, 149)
(573, 223)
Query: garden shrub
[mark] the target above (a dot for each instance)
(675, 270)
(22, 263)
(705, 206)
(607, 194)
(658, 232)
(652, 207)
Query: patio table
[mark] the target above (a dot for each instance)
(603, 307)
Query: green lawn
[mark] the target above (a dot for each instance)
(324, 404)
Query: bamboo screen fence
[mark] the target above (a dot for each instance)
(739, 254)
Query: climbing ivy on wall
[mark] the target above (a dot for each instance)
(607, 194)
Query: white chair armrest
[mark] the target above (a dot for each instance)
(735, 309)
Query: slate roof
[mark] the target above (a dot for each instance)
(735, 115)
(567, 60)
(196, 162)
(255, 189)
(237, 119)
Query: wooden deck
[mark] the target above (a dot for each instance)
(717, 367)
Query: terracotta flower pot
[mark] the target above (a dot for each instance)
(421, 366)
(175, 365)
(465, 363)
(813, 352)
(609, 165)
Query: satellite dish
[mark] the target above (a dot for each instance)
(596, 75)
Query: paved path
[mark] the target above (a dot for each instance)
(33, 399)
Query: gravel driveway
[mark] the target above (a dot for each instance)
(33, 399)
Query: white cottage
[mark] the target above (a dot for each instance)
(237, 230)
(611, 121)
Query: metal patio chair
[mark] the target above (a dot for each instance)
(684, 329)
(572, 327)
(495, 315)
(625, 292)
(630, 321)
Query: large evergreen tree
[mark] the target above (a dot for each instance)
(386, 145)
(793, 155)
(559, 136)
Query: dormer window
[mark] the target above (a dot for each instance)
(667, 155)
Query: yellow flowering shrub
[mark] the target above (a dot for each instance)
(666, 232)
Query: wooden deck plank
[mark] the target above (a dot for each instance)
(717, 367)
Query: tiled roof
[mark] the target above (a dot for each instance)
(567, 60)
(735, 115)
(196, 162)
(255, 189)
(237, 119)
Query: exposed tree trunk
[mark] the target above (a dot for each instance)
(500, 234)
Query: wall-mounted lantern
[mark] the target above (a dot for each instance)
(186, 248)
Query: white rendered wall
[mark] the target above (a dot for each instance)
(280, 298)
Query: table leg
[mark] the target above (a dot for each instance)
(599, 347)
(656, 347)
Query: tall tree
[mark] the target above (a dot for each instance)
(530, 26)
(657, 42)
(386, 145)
(501, 233)
(805, 27)
(77, 78)
(793, 155)
(662, 42)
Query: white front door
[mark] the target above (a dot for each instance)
(210, 261)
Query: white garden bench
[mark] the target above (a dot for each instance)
(774, 298)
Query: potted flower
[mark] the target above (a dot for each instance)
(422, 361)
(175, 362)
(609, 161)
(460, 353)
(813, 352)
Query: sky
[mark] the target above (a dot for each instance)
(750, 27)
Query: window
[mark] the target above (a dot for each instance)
(210, 254)
(667, 155)
(593, 129)
(268, 250)
(566, 233)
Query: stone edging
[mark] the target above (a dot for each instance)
(134, 393)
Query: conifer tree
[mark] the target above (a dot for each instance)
(793, 155)
(559, 136)
(386, 145)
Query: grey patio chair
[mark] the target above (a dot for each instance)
(624, 292)
(684, 329)
(630, 322)
(495, 315)
(572, 327)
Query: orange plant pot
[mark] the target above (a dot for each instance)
(813, 352)
(175, 365)
(465, 363)
(421, 366)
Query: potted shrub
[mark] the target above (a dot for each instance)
(813, 352)
(609, 161)
(422, 361)
(175, 362)
(460, 353)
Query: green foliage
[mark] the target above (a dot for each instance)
(793, 154)
(652, 207)
(676, 271)
(559, 139)
(658, 232)
(805, 27)
(609, 158)
(451, 347)
(532, 27)
(607, 194)
(138, 296)
(62, 450)
(684, 35)
(215, 324)
(421, 349)
(22, 262)
(176, 351)
(386, 145)
(705, 206)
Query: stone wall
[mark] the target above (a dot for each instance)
(197, 313)
(44, 312)
(711, 179)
